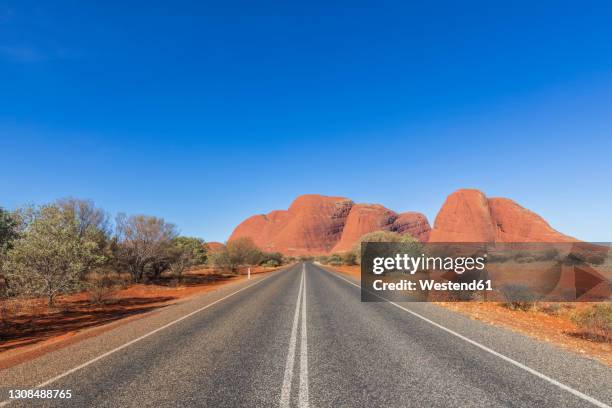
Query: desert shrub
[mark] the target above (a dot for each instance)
(182, 254)
(272, 259)
(101, 294)
(518, 297)
(144, 244)
(525, 259)
(102, 285)
(9, 309)
(553, 309)
(323, 259)
(596, 321)
(349, 258)
(334, 260)
(271, 263)
(241, 251)
(52, 254)
(8, 233)
(385, 236)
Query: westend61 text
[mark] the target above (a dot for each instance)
(428, 284)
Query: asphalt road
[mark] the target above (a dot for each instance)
(301, 337)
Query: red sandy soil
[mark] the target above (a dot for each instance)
(557, 328)
(36, 329)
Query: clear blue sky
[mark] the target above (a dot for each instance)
(205, 115)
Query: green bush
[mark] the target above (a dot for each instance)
(271, 263)
(323, 259)
(272, 259)
(349, 258)
(385, 236)
(334, 260)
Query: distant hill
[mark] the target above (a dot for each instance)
(316, 224)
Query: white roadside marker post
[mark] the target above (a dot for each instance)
(249, 273)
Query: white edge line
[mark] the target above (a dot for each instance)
(129, 343)
(487, 349)
(285, 397)
(303, 393)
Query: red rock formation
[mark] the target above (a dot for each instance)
(312, 225)
(514, 223)
(316, 224)
(214, 246)
(412, 223)
(262, 229)
(468, 216)
(362, 219)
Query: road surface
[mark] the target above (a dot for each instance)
(301, 337)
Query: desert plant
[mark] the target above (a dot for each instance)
(143, 244)
(50, 257)
(334, 260)
(385, 236)
(272, 259)
(349, 258)
(183, 253)
(102, 285)
(9, 309)
(8, 229)
(552, 309)
(241, 251)
(518, 297)
(8, 233)
(322, 259)
(596, 321)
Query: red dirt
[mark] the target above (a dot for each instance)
(36, 329)
(555, 327)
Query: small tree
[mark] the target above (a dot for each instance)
(143, 244)
(186, 252)
(50, 257)
(92, 225)
(8, 233)
(241, 251)
(8, 229)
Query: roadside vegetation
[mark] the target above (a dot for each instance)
(71, 247)
(595, 322)
(353, 257)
